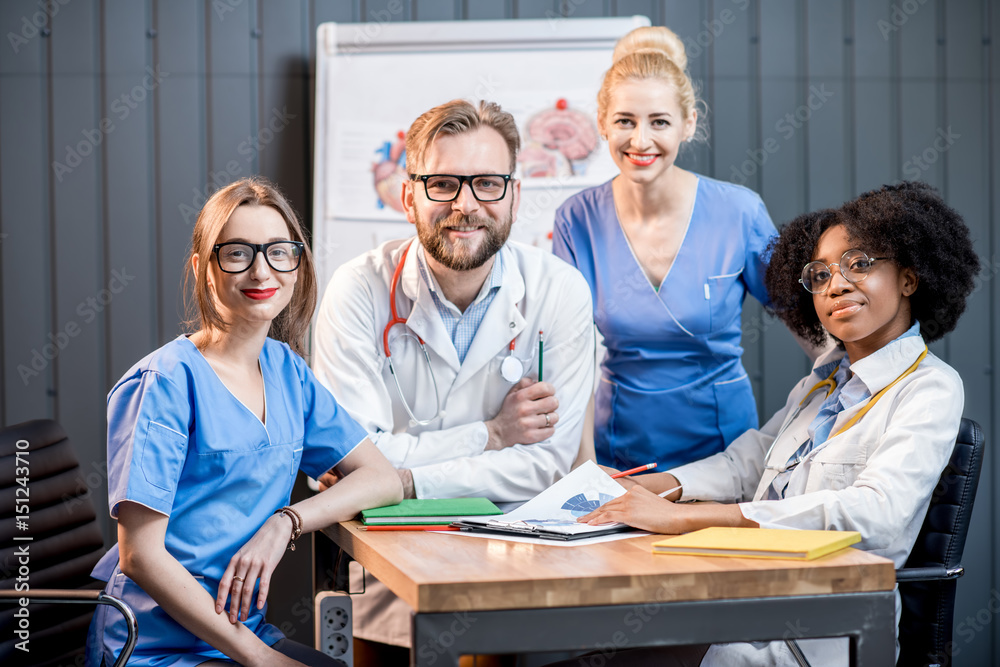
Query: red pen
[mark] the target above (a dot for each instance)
(427, 527)
(625, 473)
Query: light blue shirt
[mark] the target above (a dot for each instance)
(462, 327)
(181, 444)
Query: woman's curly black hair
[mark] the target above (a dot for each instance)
(908, 223)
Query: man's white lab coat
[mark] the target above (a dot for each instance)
(539, 292)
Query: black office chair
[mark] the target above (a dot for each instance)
(65, 545)
(928, 581)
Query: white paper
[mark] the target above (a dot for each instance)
(557, 508)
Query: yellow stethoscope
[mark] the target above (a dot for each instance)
(832, 386)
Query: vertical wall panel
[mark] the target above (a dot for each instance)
(733, 139)
(478, 10)
(25, 258)
(180, 148)
(232, 91)
(282, 131)
(536, 9)
(784, 116)
(875, 121)
(826, 99)
(688, 19)
(966, 162)
(437, 10)
(129, 89)
(381, 11)
(648, 8)
(80, 295)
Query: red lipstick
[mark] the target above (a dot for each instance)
(260, 294)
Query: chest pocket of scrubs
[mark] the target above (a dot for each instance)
(725, 299)
(840, 465)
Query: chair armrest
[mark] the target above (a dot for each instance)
(939, 573)
(52, 594)
(95, 597)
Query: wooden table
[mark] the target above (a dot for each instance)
(474, 595)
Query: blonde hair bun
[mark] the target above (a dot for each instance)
(652, 38)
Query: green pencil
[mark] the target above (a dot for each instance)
(540, 348)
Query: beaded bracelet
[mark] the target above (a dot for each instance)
(296, 520)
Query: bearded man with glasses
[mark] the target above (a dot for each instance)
(434, 343)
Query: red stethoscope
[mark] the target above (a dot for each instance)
(511, 368)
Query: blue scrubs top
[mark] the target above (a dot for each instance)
(181, 444)
(673, 389)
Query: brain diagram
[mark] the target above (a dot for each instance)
(390, 172)
(560, 140)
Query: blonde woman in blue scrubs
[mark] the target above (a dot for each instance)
(205, 437)
(670, 256)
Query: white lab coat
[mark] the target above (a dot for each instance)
(876, 478)
(539, 292)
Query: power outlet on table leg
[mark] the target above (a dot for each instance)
(334, 623)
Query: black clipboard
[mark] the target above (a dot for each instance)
(537, 531)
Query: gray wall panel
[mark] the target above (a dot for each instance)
(80, 295)
(283, 98)
(901, 72)
(647, 8)
(479, 10)
(784, 116)
(180, 149)
(535, 9)
(380, 11)
(129, 90)
(25, 244)
(968, 190)
(437, 10)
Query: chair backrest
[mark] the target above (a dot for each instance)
(66, 539)
(925, 629)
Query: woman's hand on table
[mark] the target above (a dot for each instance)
(255, 560)
(638, 508)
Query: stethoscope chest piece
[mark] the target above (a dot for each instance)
(511, 369)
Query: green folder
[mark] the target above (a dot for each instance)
(429, 511)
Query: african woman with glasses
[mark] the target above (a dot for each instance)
(862, 440)
(205, 437)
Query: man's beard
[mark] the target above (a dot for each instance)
(460, 256)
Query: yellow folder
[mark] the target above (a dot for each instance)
(758, 543)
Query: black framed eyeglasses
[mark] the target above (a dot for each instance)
(237, 256)
(855, 265)
(445, 187)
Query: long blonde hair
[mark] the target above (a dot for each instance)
(651, 52)
(292, 322)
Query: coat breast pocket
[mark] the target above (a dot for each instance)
(839, 466)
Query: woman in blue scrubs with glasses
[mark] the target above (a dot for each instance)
(205, 437)
(670, 256)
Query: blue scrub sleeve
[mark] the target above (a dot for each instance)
(148, 426)
(330, 433)
(760, 231)
(562, 244)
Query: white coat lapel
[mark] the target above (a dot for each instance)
(501, 324)
(424, 319)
